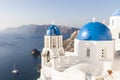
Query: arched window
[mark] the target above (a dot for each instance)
(54, 42)
(47, 43)
(48, 56)
(88, 52)
(119, 35)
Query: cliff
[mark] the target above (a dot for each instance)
(68, 44)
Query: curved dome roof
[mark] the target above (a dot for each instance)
(53, 30)
(116, 13)
(94, 31)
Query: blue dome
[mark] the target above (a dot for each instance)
(53, 30)
(94, 31)
(116, 13)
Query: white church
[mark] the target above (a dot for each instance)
(93, 56)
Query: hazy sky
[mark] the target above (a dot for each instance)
(63, 12)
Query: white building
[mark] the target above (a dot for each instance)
(115, 28)
(93, 55)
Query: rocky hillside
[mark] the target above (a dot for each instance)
(68, 44)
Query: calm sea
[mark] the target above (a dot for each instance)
(17, 51)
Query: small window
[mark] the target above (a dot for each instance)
(102, 56)
(119, 36)
(88, 52)
(54, 46)
(48, 56)
(54, 43)
(102, 53)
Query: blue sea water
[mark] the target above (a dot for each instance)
(16, 51)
